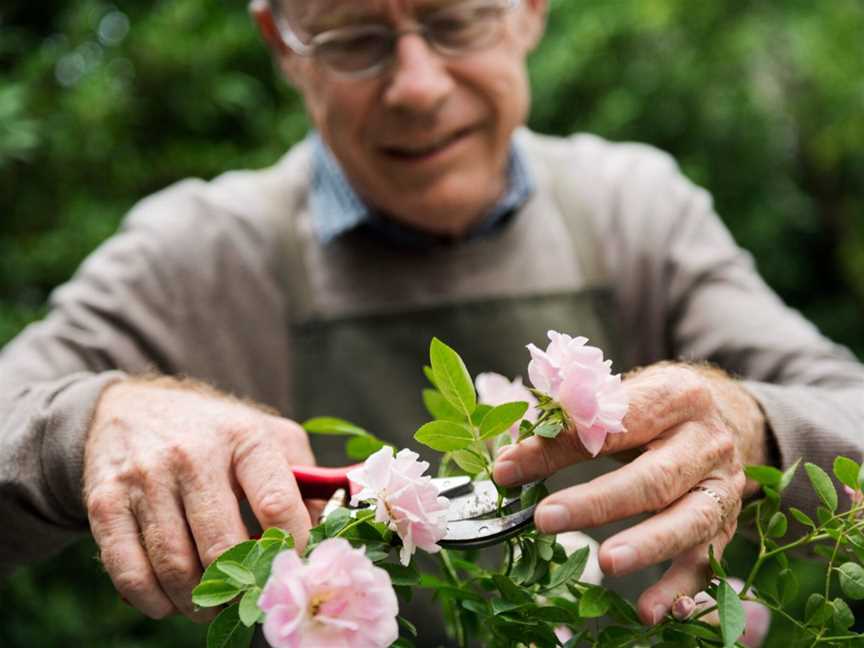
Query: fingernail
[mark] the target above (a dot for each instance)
(658, 613)
(507, 473)
(623, 559)
(682, 607)
(553, 518)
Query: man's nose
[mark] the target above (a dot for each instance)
(419, 79)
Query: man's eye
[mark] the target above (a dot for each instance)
(459, 27)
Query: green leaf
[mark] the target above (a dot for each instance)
(817, 611)
(359, 448)
(228, 631)
(336, 521)
(847, 471)
(427, 371)
(787, 585)
(263, 563)
(549, 430)
(532, 495)
(545, 546)
(248, 611)
(500, 418)
(716, 565)
(452, 377)
(594, 603)
(479, 413)
(731, 614)
(401, 574)
(210, 593)
(778, 525)
(236, 571)
(439, 408)
(843, 618)
(764, 475)
(275, 533)
(510, 591)
(469, 461)
(238, 553)
(788, 475)
(852, 580)
(570, 570)
(329, 425)
(822, 485)
(802, 517)
(410, 627)
(445, 436)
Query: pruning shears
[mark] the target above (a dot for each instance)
(472, 518)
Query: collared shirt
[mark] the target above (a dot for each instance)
(337, 209)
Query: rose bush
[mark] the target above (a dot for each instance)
(342, 590)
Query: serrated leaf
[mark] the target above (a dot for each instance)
(802, 517)
(594, 603)
(822, 485)
(572, 569)
(359, 448)
(248, 611)
(236, 571)
(788, 476)
(731, 613)
(328, 425)
(846, 470)
(210, 593)
(444, 436)
(778, 525)
(452, 377)
(439, 408)
(852, 580)
(228, 631)
(469, 461)
(764, 475)
(549, 430)
(501, 417)
(510, 591)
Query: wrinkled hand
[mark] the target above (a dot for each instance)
(165, 466)
(695, 427)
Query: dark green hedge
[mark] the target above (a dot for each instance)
(101, 104)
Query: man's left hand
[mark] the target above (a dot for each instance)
(696, 428)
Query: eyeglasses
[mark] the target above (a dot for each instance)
(363, 51)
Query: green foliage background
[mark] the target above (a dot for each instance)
(101, 104)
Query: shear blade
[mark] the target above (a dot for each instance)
(475, 534)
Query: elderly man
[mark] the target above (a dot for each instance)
(417, 207)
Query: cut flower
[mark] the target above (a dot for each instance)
(405, 499)
(581, 381)
(338, 598)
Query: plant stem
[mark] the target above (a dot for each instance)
(452, 576)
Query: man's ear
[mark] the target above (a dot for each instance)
(263, 16)
(534, 18)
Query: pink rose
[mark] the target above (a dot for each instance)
(494, 389)
(405, 499)
(576, 376)
(757, 616)
(338, 598)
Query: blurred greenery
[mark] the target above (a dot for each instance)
(101, 104)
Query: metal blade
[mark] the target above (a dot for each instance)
(475, 534)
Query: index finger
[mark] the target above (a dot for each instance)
(660, 399)
(264, 474)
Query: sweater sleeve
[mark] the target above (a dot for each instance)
(185, 287)
(687, 291)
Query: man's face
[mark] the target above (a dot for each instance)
(428, 139)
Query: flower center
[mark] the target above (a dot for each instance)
(317, 601)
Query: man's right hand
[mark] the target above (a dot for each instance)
(165, 466)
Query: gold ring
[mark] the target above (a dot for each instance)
(717, 497)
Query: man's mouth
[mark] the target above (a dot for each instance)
(420, 151)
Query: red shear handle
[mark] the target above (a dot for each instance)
(318, 482)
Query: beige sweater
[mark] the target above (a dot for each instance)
(192, 284)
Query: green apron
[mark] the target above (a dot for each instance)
(364, 312)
